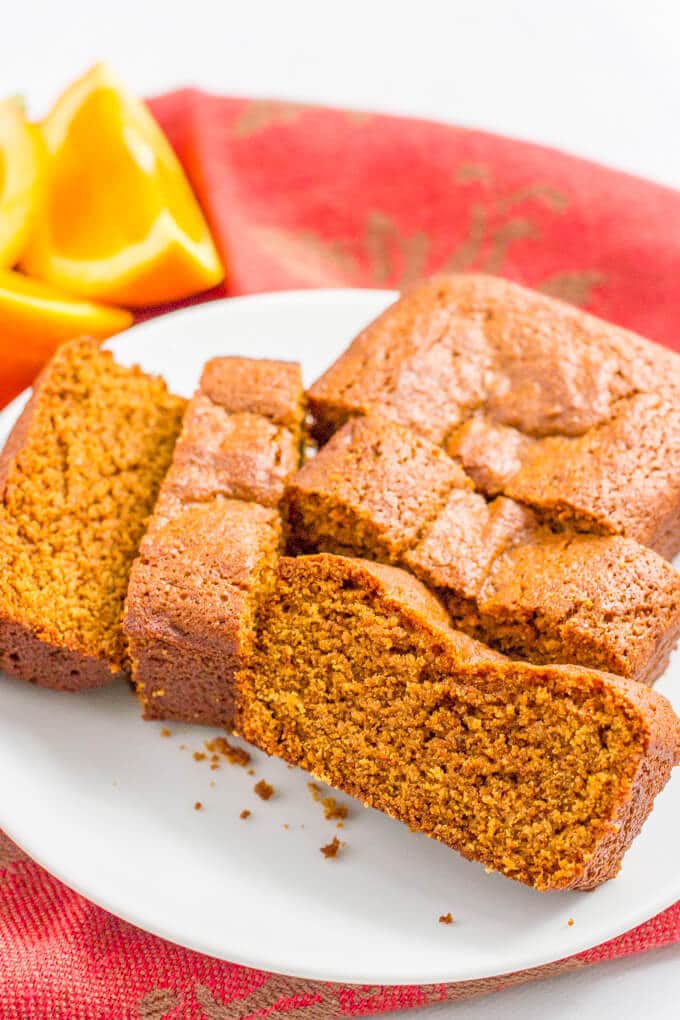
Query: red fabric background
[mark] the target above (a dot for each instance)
(307, 197)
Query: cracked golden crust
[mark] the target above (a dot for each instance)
(588, 414)
(376, 489)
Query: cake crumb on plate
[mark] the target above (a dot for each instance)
(331, 849)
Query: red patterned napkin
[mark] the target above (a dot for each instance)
(300, 196)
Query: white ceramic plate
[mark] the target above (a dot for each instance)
(105, 803)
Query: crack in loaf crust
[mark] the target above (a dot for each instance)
(541, 402)
(378, 490)
(544, 773)
(212, 543)
(78, 478)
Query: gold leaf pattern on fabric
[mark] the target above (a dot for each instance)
(473, 172)
(575, 287)
(393, 257)
(9, 852)
(545, 193)
(358, 116)
(415, 250)
(502, 239)
(261, 114)
(214, 1010)
(278, 995)
(156, 1005)
(319, 262)
(468, 252)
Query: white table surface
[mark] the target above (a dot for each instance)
(600, 78)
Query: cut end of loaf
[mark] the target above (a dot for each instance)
(542, 773)
(78, 479)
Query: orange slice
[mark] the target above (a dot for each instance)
(35, 318)
(21, 169)
(121, 222)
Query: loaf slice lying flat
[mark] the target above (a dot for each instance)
(78, 478)
(544, 773)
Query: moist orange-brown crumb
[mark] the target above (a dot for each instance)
(198, 806)
(198, 756)
(245, 814)
(544, 773)
(78, 479)
(263, 789)
(332, 809)
(446, 918)
(165, 732)
(570, 922)
(220, 746)
(330, 850)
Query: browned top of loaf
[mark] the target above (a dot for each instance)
(192, 582)
(592, 591)
(258, 386)
(78, 478)
(375, 489)
(579, 390)
(458, 548)
(390, 481)
(237, 444)
(619, 477)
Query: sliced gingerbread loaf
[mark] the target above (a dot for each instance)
(574, 417)
(376, 489)
(214, 538)
(544, 773)
(78, 479)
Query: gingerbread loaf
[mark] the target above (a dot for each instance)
(213, 540)
(79, 477)
(572, 416)
(377, 489)
(544, 773)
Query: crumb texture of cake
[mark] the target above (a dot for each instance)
(543, 773)
(377, 490)
(573, 416)
(79, 476)
(212, 543)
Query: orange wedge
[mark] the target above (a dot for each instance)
(35, 318)
(121, 222)
(21, 171)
